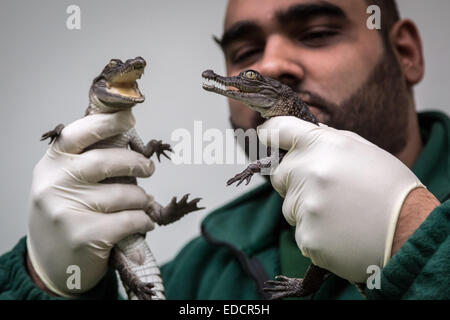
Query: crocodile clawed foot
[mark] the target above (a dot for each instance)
(245, 175)
(144, 291)
(176, 210)
(285, 287)
(53, 134)
(159, 148)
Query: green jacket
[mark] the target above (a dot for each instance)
(247, 242)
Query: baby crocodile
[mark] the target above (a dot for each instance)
(116, 89)
(270, 98)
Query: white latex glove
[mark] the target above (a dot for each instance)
(342, 193)
(71, 220)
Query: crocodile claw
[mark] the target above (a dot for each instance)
(144, 291)
(159, 148)
(285, 287)
(176, 210)
(53, 134)
(245, 175)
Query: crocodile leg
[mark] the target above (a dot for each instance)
(153, 146)
(285, 287)
(173, 211)
(53, 134)
(252, 168)
(144, 291)
(156, 146)
(247, 174)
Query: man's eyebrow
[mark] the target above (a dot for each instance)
(306, 11)
(297, 12)
(239, 30)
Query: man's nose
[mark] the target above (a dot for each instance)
(280, 61)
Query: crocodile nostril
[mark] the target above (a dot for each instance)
(208, 74)
(141, 61)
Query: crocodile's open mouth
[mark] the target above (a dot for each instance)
(124, 81)
(125, 84)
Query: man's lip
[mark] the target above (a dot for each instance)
(315, 106)
(320, 115)
(315, 110)
(311, 101)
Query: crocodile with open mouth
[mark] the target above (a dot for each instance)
(270, 98)
(116, 89)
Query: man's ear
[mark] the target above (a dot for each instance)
(407, 45)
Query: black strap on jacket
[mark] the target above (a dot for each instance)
(447, 198)
(251, 266)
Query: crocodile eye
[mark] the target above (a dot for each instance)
(112, 63)
(250, 74)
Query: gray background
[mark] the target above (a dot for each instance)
(46, 71)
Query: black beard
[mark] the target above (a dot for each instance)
(378, 111)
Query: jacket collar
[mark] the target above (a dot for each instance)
(433, 165)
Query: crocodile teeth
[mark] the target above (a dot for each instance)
(210, 83)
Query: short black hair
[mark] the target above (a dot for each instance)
(389, 16)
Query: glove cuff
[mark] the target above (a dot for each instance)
(394, 219)
(41, 274)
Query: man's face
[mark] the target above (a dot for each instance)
(326, 53)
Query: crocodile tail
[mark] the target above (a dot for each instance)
(138, 264)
